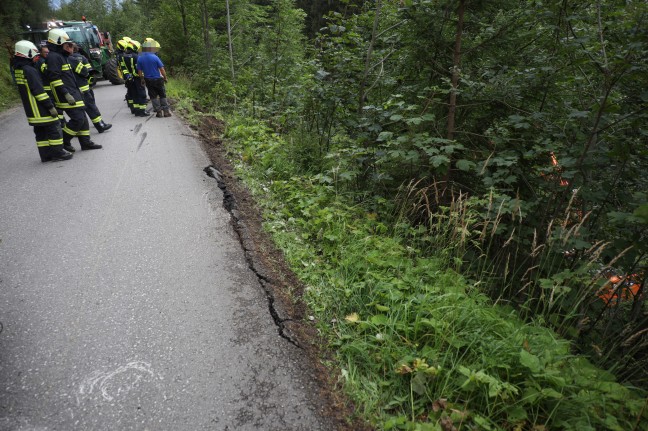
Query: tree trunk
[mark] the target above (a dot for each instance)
(183, 17)
(229, 41)
(363, 83)
(456, 62)
(205, 28)
(452, 104)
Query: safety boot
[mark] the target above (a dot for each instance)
(167, 113)
(87, 144)
(58, 153)
(44, 153)
(54, 153)
(91, 146)
(159, 114)
(102, 127)
(67, 142)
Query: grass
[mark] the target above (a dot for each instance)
(419, 346)
(8, 93)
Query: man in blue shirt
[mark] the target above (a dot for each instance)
(151, 71)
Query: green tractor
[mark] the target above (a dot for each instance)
(95, 45)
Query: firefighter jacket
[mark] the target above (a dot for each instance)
(41, 65)
(81, 68)
(119, 54)
(129, 65)
(61, 78)
(34, 99)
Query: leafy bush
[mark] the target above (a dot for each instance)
(419, 346)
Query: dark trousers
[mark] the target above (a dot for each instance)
(91, 106)
(49, 140)
(129, 93)
(139, 95)
(157, 90)
(77, 126)
(48, 134)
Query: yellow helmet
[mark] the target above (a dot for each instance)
(57, 36)
(25, 48)
(148, 44)
(134, 45)
(122, 44)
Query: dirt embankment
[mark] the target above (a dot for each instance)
(283, 289)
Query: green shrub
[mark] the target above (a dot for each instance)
(418, 345)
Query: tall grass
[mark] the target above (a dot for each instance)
(540, 275)
(419, 345)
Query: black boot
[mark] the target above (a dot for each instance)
(44, 153)
(141, 113)
(102, 127)
(91, 146)
(67, 142)
(87, 144)
(53, 153)
(57, 153)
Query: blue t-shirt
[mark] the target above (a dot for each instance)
(150, 64)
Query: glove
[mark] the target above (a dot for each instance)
(70, 99)
(128, 77)
(53, 112)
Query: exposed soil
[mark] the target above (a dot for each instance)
(283, 288)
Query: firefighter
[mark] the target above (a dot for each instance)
(138, 91)
(39, 108)
(122, 45)
(42, 67)
(65, 91)
(82, 68)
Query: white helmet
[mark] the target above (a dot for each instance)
(25, 48)
(57, 36)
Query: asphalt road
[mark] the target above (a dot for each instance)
(125, 299)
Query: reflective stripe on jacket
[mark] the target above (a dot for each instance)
(34, 99)
(81, 68)
(62, 81)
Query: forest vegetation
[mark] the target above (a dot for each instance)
(460, 184)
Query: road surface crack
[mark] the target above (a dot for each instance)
(229, 203)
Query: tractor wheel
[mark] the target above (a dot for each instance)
(111, 73)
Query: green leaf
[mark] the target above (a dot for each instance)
(419, 383)
(465, 165)
(379, 320)
(641, 213)
(384, 136)
(439, 160)
(530, 361)
(516, 414)
(551, 393)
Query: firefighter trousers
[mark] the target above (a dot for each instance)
(49, 140)
(138, 93)
(77, 126)
(91, 107)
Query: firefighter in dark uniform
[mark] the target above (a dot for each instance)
(122, 46)
(41, 65)
(39, 108)
(137, 89)
(65, 91)
(82, 68)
